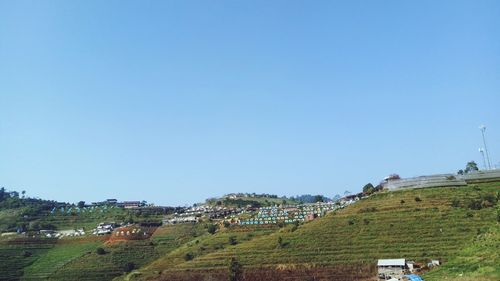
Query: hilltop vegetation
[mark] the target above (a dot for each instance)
(23, 214)
(239, 200)
(18, 212)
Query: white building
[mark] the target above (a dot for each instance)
(391, 268)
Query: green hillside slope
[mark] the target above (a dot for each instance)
(77, 259)
(122, 257)
(16, 255)
(478, 261)
(418, 225)
(459, 226)
(57, 257)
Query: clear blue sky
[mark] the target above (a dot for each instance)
(176, 101)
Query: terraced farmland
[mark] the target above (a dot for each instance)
(224, 240)
(456, 225)
(415, 224)
(478, 261)
(57, 257)
(77, 259)
(16, 255)
(122, 257)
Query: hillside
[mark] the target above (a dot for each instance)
(459, 226)
(419, 225)
(31, 215)
(479, 260)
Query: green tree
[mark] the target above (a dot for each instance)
(232, 240)
(281, 244)
(188, 256)
(212, 228)
(235, 270)
(471, 167)
(318, 198)
(129, 266)
(81, 204)
(100, 251)
(368, 188)
(27, 254)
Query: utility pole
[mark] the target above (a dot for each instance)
(481, 150)
(483, 129)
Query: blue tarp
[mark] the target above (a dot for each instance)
(414, 277)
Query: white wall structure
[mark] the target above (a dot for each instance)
(425, 181)
(443, 180)
(482, 176)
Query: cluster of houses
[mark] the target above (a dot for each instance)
(259, 216)
(104, 228)
(292, 214)
(401, 269)
(101, 229)
(62, 233)
(195, 213)
(124, 204)
(251, 195)
(67, 210)
(96, 207)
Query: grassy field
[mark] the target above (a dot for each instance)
(57, 257)
(114, 262)
(15, 256)
(479, 261)
(224, 240)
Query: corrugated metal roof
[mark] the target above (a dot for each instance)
(389, 262)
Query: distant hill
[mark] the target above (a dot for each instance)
(21, 214)
(239, 200)
(308, 198)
